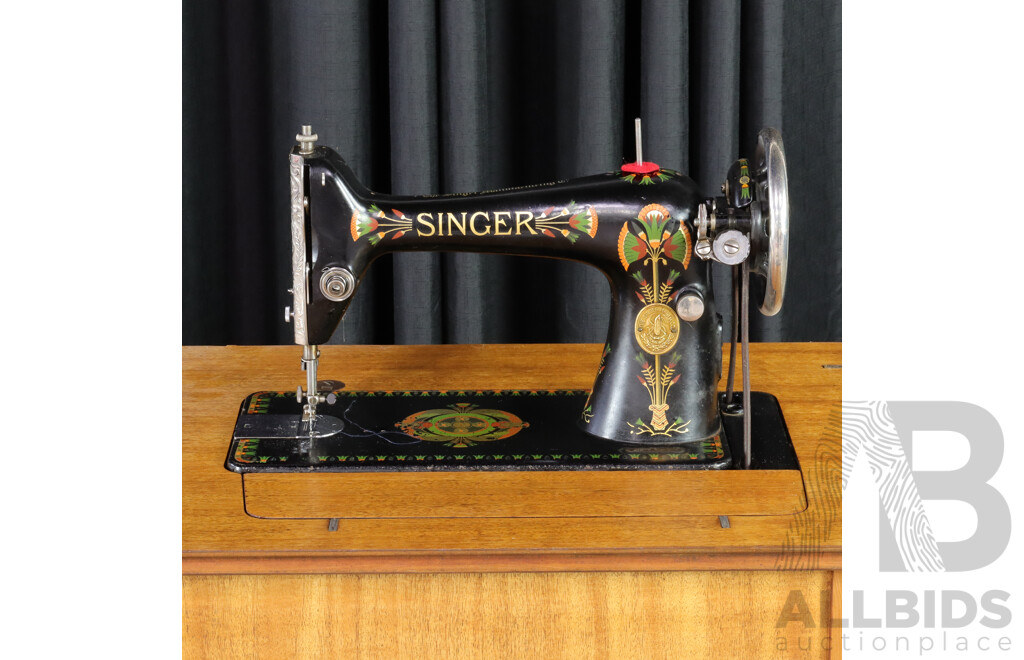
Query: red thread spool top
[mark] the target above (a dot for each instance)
(645, 167)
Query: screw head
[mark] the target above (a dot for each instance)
(703, 248)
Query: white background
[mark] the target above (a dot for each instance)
(90, 202)
(90, 206)
(932, 239)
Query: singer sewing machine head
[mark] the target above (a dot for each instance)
(648, 229)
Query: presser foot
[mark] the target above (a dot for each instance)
(317, 392)
(287, 427)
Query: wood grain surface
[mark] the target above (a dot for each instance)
(218, 536)
(570, 494)
(723, 614)
(835, 627)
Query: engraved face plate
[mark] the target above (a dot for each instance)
(657, 329)
(298, 249)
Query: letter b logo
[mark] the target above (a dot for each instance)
(883, 431)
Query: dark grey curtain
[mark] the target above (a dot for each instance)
(428, 96)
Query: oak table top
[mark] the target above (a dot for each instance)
(218, 537)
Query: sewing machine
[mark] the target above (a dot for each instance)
(654, 404)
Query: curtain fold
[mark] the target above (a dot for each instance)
(761, 94)
(665, 83)
(441, 96)
(413, 111)
(471, 281)
(590, 97)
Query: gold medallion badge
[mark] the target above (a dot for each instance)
(657, 328)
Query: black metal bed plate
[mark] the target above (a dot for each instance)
(401, 431)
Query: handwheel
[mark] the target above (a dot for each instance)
(770, 219)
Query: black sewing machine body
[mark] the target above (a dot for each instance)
(655, 400)
(639, 236)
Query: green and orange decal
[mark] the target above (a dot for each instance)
(461, 425)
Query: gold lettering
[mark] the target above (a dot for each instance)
(525, 222)
(472, 224)
(444, 223)
(452, 220)
(499, 223)
(427, 223)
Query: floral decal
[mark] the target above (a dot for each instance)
(583, 221)
(461, 425)
(377, 224)
(647, 178)
(649, 243)
(744, 179)
(653, 237)
(588, 409)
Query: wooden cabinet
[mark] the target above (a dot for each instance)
(671, 583)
